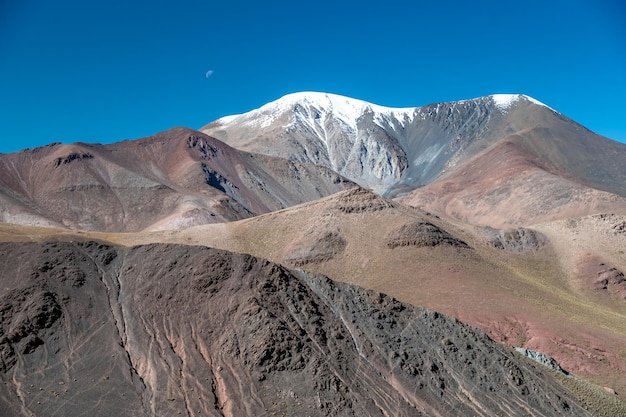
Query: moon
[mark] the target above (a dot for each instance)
(208, 73)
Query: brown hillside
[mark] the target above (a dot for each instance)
(176, 178)
(509, 186)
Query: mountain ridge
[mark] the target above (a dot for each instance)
(175, 178)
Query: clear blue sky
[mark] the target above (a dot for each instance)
(99, 71)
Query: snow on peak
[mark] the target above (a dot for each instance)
(342, 107)
(227, 119)
(504, 101)
(349, 109)
(346, 108)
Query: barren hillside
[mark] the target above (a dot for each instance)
(178, 330)
(174, 179)
(518, 285)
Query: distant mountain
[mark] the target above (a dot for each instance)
(174, 179)
(395, 151)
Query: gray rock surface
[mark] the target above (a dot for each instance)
(515, 240)
(541, 358)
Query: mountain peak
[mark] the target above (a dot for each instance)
(323, 99)
(344, 107)
(312, 106)
(341, 106)
(504, 101)
(381, 148)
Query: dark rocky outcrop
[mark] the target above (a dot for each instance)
(320, 247)
(360, 200)
(74, 156)
(613, 279)
(515, 240)
(422, 234)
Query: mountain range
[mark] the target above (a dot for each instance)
(296, 260)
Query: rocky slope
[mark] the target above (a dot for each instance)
(175, 330)
(174, 179)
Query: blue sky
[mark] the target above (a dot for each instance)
(98, 71)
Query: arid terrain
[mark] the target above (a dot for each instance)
(542, 288)
(320, 256)
(172, 329)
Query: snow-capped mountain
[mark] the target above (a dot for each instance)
(381, 148)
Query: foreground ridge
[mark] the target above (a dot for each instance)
(172, 329)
